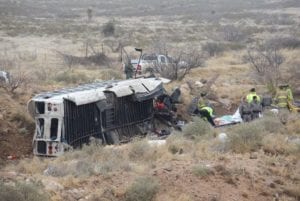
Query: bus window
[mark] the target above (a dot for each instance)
(53, 129)
(40, 107)
(40, 127)
(163, 60)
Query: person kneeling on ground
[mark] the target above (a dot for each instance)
(206, 113)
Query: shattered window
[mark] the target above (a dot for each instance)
(163, 60)
(40, 127)
(40, 107)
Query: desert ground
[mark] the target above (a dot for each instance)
(47, 45)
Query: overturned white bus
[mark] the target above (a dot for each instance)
(113, 111)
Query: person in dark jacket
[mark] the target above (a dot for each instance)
(256, 108)
(245, 110)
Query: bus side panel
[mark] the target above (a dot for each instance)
(81, 123)
(126, 116)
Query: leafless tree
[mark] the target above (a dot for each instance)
(15, 81)
(181, 64)
(266, 61)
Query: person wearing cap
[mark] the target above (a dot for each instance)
(250, 96)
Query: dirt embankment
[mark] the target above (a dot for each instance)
(16, 127)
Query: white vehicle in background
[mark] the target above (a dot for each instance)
(154, 63)
(150, 62)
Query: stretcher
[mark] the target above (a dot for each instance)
(227, 120)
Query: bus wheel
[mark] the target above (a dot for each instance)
(112, 137)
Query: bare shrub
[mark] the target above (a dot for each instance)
(22, 192)
(109, 29)
(144, 188)
(232, 33)
(15, 81)
(213, 48)
(266, 61)
(181, 64)
(198, 129)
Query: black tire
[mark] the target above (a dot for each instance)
(112, 137)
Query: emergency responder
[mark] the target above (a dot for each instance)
(202, 100)
(290, 94)
(283, 95)
(206, 113)
(256, 108)
(251, 95)
(245, 110)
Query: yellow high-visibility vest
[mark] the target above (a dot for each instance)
(209, 109)
(250, 97)
(290, 95)
(282, 98)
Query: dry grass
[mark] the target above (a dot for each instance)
(202, 171)
(293, 191)
(70, 77)
(32, 166)
(278, 145)
(246, 137)
(22, 192)
(143, 188)
(293, 125)
(198, 130)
